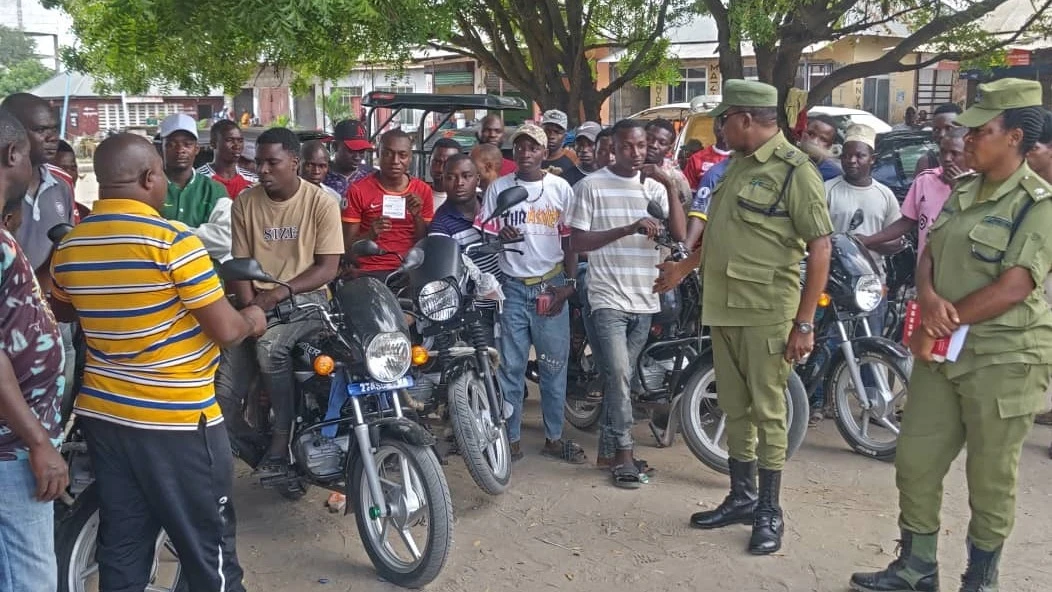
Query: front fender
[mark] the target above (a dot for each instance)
(881, 344)
(404, 429)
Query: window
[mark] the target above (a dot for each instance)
(934, 87)
(750, 73)
(694, 82)
(809, 75)
(348, 94)
(409, 119)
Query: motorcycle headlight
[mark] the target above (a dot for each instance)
(388, 355)
(868, 292)
(439, 300)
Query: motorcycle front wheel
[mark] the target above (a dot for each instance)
(872, 432)
(703, 423)
(409, 546)
(484, 446)
(76, 534)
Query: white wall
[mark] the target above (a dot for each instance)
(37, 19)
(370, 79)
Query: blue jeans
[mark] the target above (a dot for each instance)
(520, 325)
(620, 337)
(27, 532)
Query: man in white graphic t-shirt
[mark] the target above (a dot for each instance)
(537, 284)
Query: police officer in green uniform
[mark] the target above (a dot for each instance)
(987, 256)
(768, 207)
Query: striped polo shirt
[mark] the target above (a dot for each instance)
(133, 278)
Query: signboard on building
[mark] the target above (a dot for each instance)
(714, 80)
(1018, 57)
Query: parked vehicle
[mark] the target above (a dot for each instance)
(865, 376)
(350, 436)
(453, 365)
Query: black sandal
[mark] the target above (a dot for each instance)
(516, 452)
(626, 476)
(565, 450)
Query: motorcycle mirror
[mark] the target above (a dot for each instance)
(244, 269)
(58, 232)
(366, 248)
(655, 210)
(413, 258)
(506, 200)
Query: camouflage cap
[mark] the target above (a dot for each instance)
(997, 96)
(745, 93)
(531, 131)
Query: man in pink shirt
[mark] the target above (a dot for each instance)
(927, 195)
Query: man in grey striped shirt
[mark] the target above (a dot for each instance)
(609, 219)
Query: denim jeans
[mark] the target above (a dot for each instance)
(520, 326)
(620, 337)
(27, 532)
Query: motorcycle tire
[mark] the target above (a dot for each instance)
(489, 463)
(846, 423)
(698, 405)
(430, 485)
(76, 527)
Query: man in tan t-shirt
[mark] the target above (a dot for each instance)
(292, 228)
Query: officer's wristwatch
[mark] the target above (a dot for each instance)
(803, 327)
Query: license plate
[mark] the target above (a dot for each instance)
(365, 388)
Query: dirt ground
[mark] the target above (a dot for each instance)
(566, 528)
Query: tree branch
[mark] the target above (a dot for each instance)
(891, 61)
(638, 64)
(860, 27)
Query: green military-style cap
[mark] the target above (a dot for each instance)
(997, 96)
(745, 93)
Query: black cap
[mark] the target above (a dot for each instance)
(353, 134)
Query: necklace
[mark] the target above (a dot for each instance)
(541, 181)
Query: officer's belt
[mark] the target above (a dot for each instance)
(533, 281)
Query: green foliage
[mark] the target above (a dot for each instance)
(282, 121)
(20, 69)
(335, 105)
(23, 76)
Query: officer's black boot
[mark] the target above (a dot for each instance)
(738, 506)
(767, 524)
(981, 575)
(915, 570)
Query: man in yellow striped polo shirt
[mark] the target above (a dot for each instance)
(153, 314)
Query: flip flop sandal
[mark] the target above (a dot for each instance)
(569, 452)
(816, 418)
(626, 477)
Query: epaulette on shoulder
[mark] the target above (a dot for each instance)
(1036, 187)
(791, 154)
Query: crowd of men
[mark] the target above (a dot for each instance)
(138, 275)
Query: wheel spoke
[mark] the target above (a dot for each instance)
(720, 428)
(410, 543)
(89, 570)
(889, 425)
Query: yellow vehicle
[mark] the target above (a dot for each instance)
(697, 125)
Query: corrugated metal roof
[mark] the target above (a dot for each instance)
(82, 86)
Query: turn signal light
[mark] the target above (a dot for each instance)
(324, 365)
(824, 300)
(420, 355)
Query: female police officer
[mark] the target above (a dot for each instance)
(986, 259)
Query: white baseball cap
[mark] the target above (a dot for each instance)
(555, 117)
(179, 122)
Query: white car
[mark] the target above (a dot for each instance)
(846, 117)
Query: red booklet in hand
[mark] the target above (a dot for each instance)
(912, 323)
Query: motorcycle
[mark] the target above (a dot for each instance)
(350, 436)
(453, 363)
(866, 375)
(675, 374)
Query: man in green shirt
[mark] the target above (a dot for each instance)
(194, 199)
(767, 214)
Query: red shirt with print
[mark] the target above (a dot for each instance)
(365, 202)
(700, 162)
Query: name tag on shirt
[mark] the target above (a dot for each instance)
(394, 207)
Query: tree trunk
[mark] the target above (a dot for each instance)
(765, 60)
